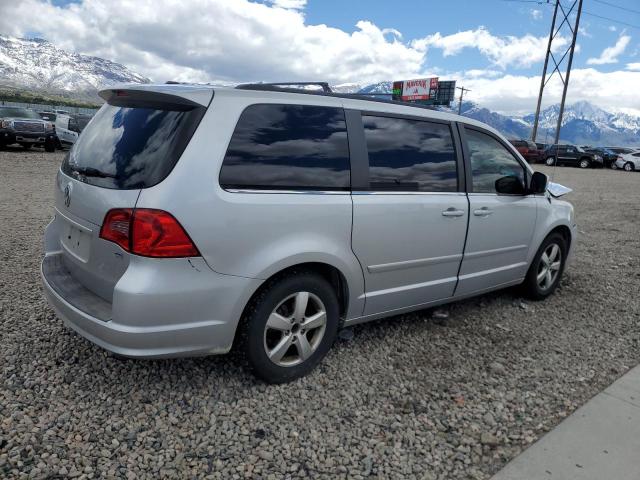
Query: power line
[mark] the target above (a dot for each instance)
(618, 6)
(540, 2)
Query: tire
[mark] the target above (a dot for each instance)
(550, 161)
(26, 146)
(273, 333)
(50, 146)
(539, 289)
(613, 165)
(628, 167)
(584, 163)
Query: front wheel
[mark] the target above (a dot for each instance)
(550, 161)
(584, 163)
(547, 267)
(50, 145)
(628, 167)
(290, 326)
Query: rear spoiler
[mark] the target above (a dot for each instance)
(124, 97)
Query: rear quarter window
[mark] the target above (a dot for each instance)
(288, 147)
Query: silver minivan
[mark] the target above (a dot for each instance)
(189, 219)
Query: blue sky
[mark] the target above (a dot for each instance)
(494, 47)
(416, 18)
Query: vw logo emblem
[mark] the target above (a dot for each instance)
(67, 195)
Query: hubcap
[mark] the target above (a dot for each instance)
(295, 329)
(627, 167)
(549, 266)
(550, 161)
(584, 164)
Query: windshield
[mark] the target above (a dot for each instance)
(15, 112)
(130, 147)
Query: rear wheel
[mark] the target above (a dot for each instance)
(550, 161)
(584, 163)
(547, 267)
(613, 165)
(290, 326)
(628, 167)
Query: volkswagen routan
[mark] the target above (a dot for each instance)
(193, 219)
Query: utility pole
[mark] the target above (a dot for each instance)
(462, 90)
(573, 26)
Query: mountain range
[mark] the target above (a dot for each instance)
(583, 123)
(38, 65)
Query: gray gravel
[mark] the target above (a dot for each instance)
(455, 396)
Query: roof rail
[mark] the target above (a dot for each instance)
(278, 86)
(369, 97)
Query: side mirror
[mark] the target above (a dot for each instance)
(538, 183)
(510, 185)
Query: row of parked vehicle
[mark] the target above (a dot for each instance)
(48, 129)
(584, 157)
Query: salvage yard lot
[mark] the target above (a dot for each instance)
(406, 397)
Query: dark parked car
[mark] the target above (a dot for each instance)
(609, 157)
(571, 155)
(621, 150)
(529, 150)
(25, 127)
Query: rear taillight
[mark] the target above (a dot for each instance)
(147, 232)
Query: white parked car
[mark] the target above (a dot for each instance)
(66, 136)
(629, 161)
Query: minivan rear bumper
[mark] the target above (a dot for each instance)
(145, 325)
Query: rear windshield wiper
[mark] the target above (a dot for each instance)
(91, 172)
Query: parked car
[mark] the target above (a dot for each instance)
(272, 218)
(25, 127)
(66, 136)
(629, 161)
(529, 150)
(571, 155)
(609, 157)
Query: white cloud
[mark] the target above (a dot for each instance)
(611, 54)
(501, 51)
(612, 28)
(634, 67)
(536, 14)
(517, 94)
(221, 40)
(292, 4)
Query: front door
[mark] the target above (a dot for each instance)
(409, 226)
(500, 226)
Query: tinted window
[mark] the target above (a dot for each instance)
(288, 147)
(518, 143)
(410, 155)
(130, 147)
(8, 112)
(490, 160)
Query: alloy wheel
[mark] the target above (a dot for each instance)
(549, 266)
(628, 167)
(584, 163)
(550, 161)
(294, 329)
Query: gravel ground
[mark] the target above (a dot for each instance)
(414, 396)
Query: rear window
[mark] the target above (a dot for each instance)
(8, 112)
(129, 146)
(288, 147)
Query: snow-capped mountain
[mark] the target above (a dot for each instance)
(583, 123)
(39, 65)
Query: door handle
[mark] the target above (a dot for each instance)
(452, 212)
(482, 212)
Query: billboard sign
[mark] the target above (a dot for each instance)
(424, 90)
(417, 89)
